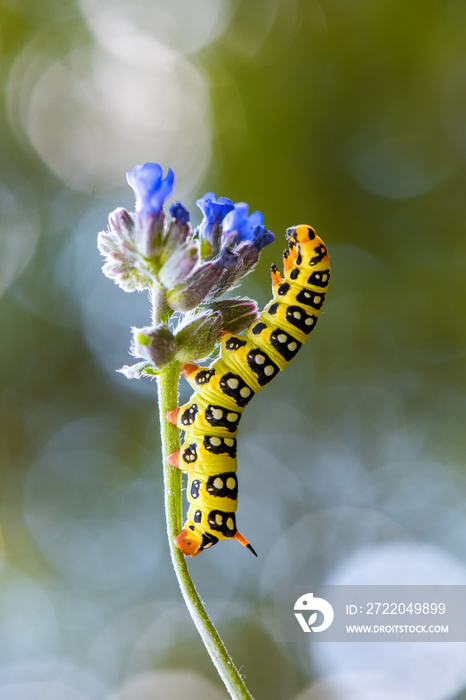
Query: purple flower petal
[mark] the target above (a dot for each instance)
(242, 224)
(150, 188)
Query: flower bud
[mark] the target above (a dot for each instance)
(249, 256)
(119, 233)
(155, 344)
(123, 264)
(237, 314)
(229, 263)
(122, 223)
(198, 336)
(126, 274)
(188, 294)
(148, 235)
(180, 213)
(107, 243)
(177, 234)
(179, 265)
(249, 250)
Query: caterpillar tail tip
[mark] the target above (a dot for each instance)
(188, 370)
(242, 540)
(172, 416)
(174, 458)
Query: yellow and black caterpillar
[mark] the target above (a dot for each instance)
(247, 363)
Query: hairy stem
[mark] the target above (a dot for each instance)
(168, 396)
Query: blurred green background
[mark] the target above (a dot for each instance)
(348, 115)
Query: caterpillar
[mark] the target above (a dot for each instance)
(247, 363)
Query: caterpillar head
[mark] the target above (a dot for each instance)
(192, 542)
(300, 234)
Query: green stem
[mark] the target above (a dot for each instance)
(168, 398)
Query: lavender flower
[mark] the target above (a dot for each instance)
(240, 223)
(186, 271)
(249, 233)
(214, 210)
(150, 188)
(151, 191)
(247, 228)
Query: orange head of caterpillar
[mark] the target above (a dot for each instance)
(192, 542)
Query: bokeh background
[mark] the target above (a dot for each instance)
(349, 115)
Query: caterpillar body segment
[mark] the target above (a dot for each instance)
(222, 391)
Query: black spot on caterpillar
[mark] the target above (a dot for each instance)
(219, 445)
(258, 328)
(247, 363)
(223, 485)
(219, 417)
